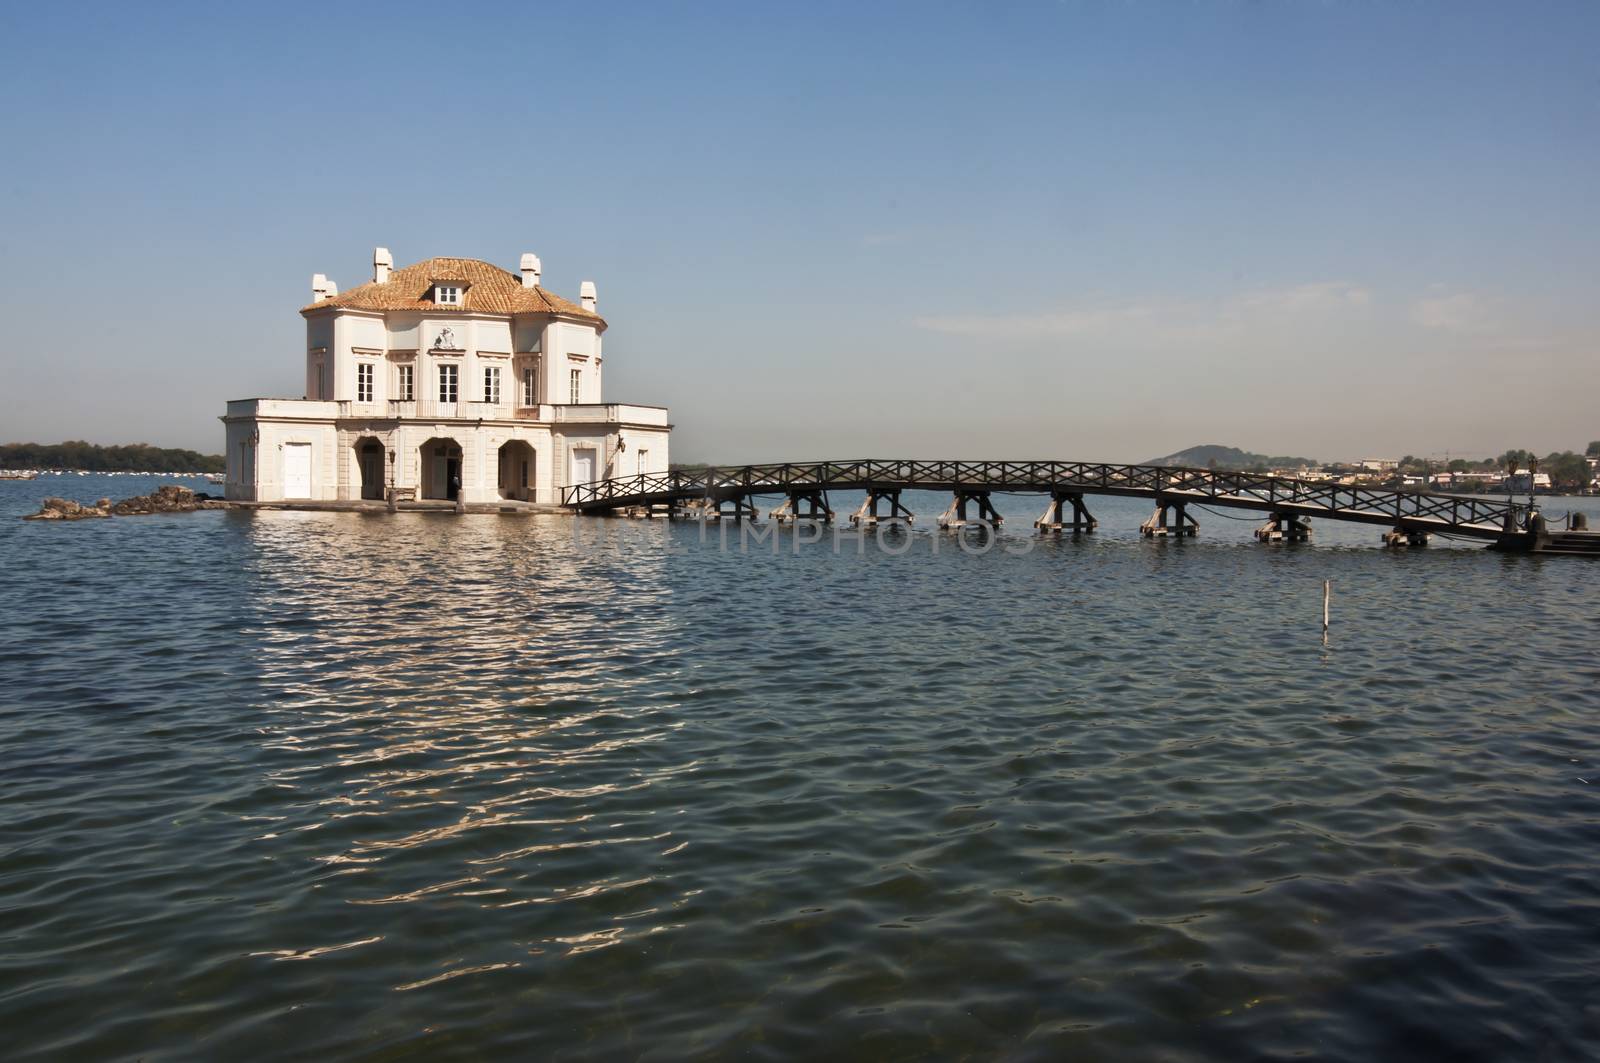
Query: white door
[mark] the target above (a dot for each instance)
(297, 470)
(583, 465)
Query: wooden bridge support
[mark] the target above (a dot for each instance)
(1052, 521)
(737, 507)
(687, 509)
(956, 516)
(869, 517)
(804, 505)
(1402, 538)
(1181, 524)
(1285, 528)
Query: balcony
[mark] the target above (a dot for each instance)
(296, 409)
(610, 413)
(430, 409)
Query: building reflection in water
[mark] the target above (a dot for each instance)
(471, 709)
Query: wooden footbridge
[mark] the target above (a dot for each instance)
(1289, 504)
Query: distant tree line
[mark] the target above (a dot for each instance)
(134, 457)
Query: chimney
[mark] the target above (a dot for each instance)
(382, 263)
(530, 270)
(586, 296)
(322, 288)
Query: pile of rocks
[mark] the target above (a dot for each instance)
(169, 498)
(66, 509)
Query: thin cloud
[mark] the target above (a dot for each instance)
(1168, 320)
(1461, 313)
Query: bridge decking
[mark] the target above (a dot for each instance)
(1472, 516)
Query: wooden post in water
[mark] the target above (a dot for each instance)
(1327, 592)
(868, 517)
(956, 517)
(1285, 528)
(1403, 537)
(1054, 519)
(804, 504)
(1181, 524)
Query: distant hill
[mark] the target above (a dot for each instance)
(1228, 458)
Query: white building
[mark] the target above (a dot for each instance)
(1521, 481)
(448, 377)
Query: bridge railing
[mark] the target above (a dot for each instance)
(1255, 490)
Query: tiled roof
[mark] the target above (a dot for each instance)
(489, 290)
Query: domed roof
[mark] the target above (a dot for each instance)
(486, 288)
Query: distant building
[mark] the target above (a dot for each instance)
(1379, 464)
(1474, 480)
(1520, 481)
(450, 378)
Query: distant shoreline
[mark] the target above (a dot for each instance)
(75, 455)
(22, 472)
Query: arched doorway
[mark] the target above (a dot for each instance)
(441, 468)
(370, 462)
(517, 470)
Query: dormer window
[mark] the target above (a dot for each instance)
(446, 295)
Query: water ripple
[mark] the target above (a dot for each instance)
(427, 786)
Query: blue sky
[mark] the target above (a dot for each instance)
(1096, 230)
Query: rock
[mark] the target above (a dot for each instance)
(166, 499)
(169, 498)
(66, 509)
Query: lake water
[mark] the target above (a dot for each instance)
(318, 785)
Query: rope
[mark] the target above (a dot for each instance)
(1228, 516)
(1456, 538)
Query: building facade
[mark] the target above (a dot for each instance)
(449, 379)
